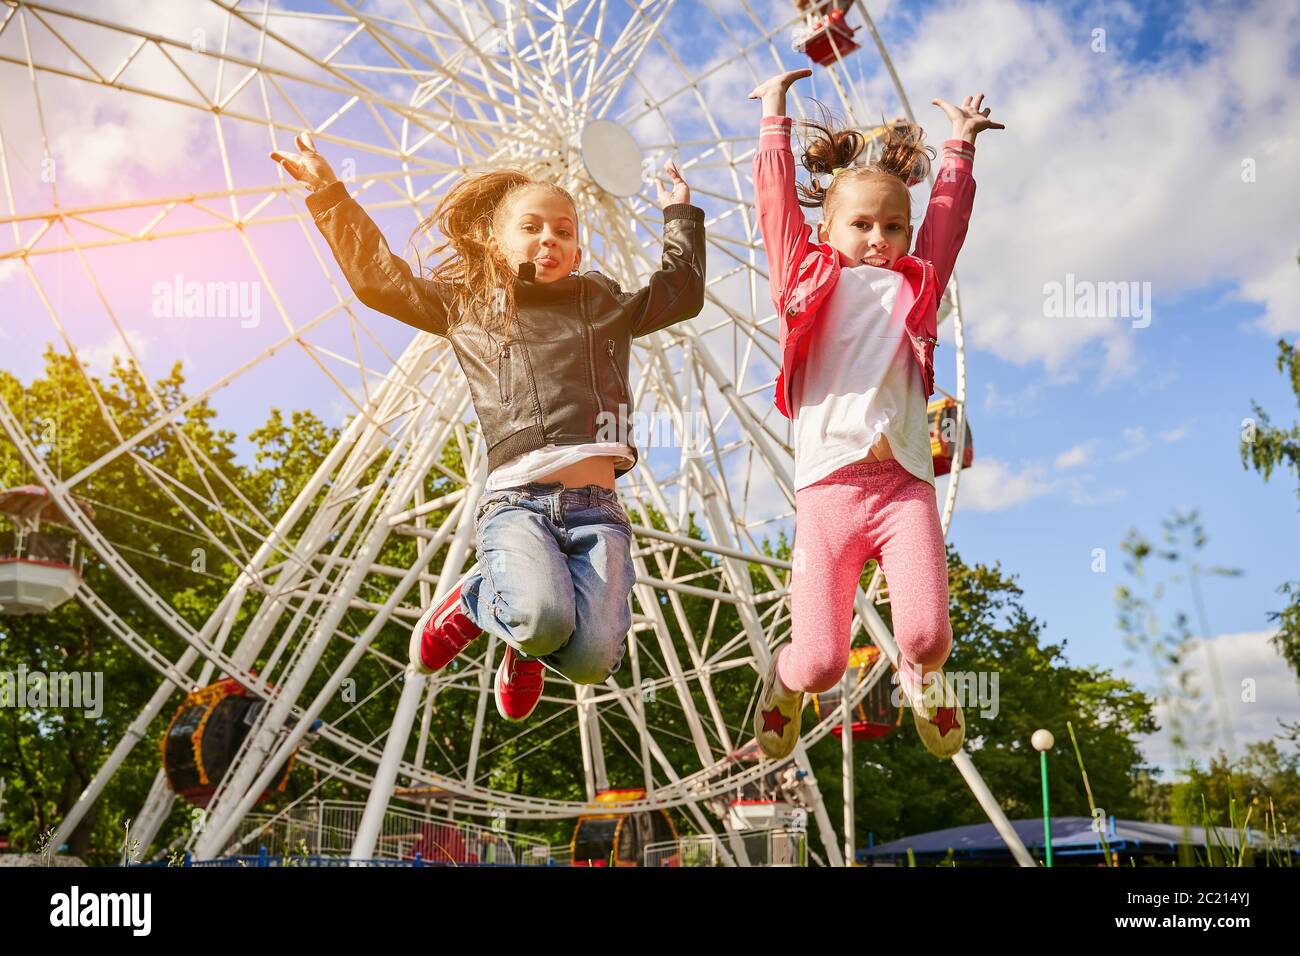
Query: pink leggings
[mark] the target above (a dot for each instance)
(872, 509)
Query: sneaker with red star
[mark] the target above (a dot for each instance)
(778, 713)
(936, 712)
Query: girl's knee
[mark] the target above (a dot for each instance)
(597, 664)
(928, 646)
(541, 627)
(814, 675)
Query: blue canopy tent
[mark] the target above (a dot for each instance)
(1074, 842)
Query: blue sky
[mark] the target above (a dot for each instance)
(1120, 164)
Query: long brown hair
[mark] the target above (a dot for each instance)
(466, 216)
(829, 146)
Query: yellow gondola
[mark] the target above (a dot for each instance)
(942, 413)
(599, 838)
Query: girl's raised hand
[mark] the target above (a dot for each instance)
(772, 90)
(308, 167)
(680, 191)
(778, 83)
(968, 119)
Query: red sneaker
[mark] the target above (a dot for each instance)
(519, 685)
(442, 632)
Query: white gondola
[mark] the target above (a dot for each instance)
(39, 570)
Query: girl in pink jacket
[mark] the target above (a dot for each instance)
(857, 335)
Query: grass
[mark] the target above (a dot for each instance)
(44, 847)
(1238, 851)
(130, 848)
(1087, 788)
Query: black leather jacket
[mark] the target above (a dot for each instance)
(563, 376)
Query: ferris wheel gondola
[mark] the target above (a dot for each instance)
(39, 570)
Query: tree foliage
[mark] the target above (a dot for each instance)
(1266, 447)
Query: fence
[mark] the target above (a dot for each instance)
(774, 847)
(328, 829)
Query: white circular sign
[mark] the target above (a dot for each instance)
(612, 158)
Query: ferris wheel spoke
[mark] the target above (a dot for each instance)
(531, 730)
(696, 76)
(589, 57)
(492, 76)
(612, 74)
(630, 37)
(187, 446)
(344, 85)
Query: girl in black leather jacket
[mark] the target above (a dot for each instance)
(545, 349)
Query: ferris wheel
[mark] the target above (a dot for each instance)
(404, 99)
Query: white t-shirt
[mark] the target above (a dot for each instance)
(859, 380)
(540, 462)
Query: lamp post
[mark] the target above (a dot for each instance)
(1043, 741)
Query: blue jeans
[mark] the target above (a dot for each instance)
(555, 571)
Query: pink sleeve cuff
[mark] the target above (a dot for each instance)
(774, 126)
(958, 152)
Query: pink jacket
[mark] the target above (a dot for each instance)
(802, 272)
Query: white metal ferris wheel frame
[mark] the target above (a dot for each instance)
(363, 512)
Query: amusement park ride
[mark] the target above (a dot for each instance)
(39, 570)
(500, 84)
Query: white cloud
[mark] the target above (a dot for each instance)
(1248, 666)
(1111, 166)
(996, 486)
(1076, 456)
(1023, 402)
(1081, 497)
(1136, 441)
(112, 143)
(1279, 289)
(98, 358)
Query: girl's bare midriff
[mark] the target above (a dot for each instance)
(880, 451)
(589, 471)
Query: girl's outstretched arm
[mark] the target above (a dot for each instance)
(381, 280)
(780, 217)
(947, 217)
(675, 291)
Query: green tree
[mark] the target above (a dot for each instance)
(182, 550)
(1266, 778)
(49, 756)
(1265, 447)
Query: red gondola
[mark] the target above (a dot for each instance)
(825, 37)
(876, 714)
